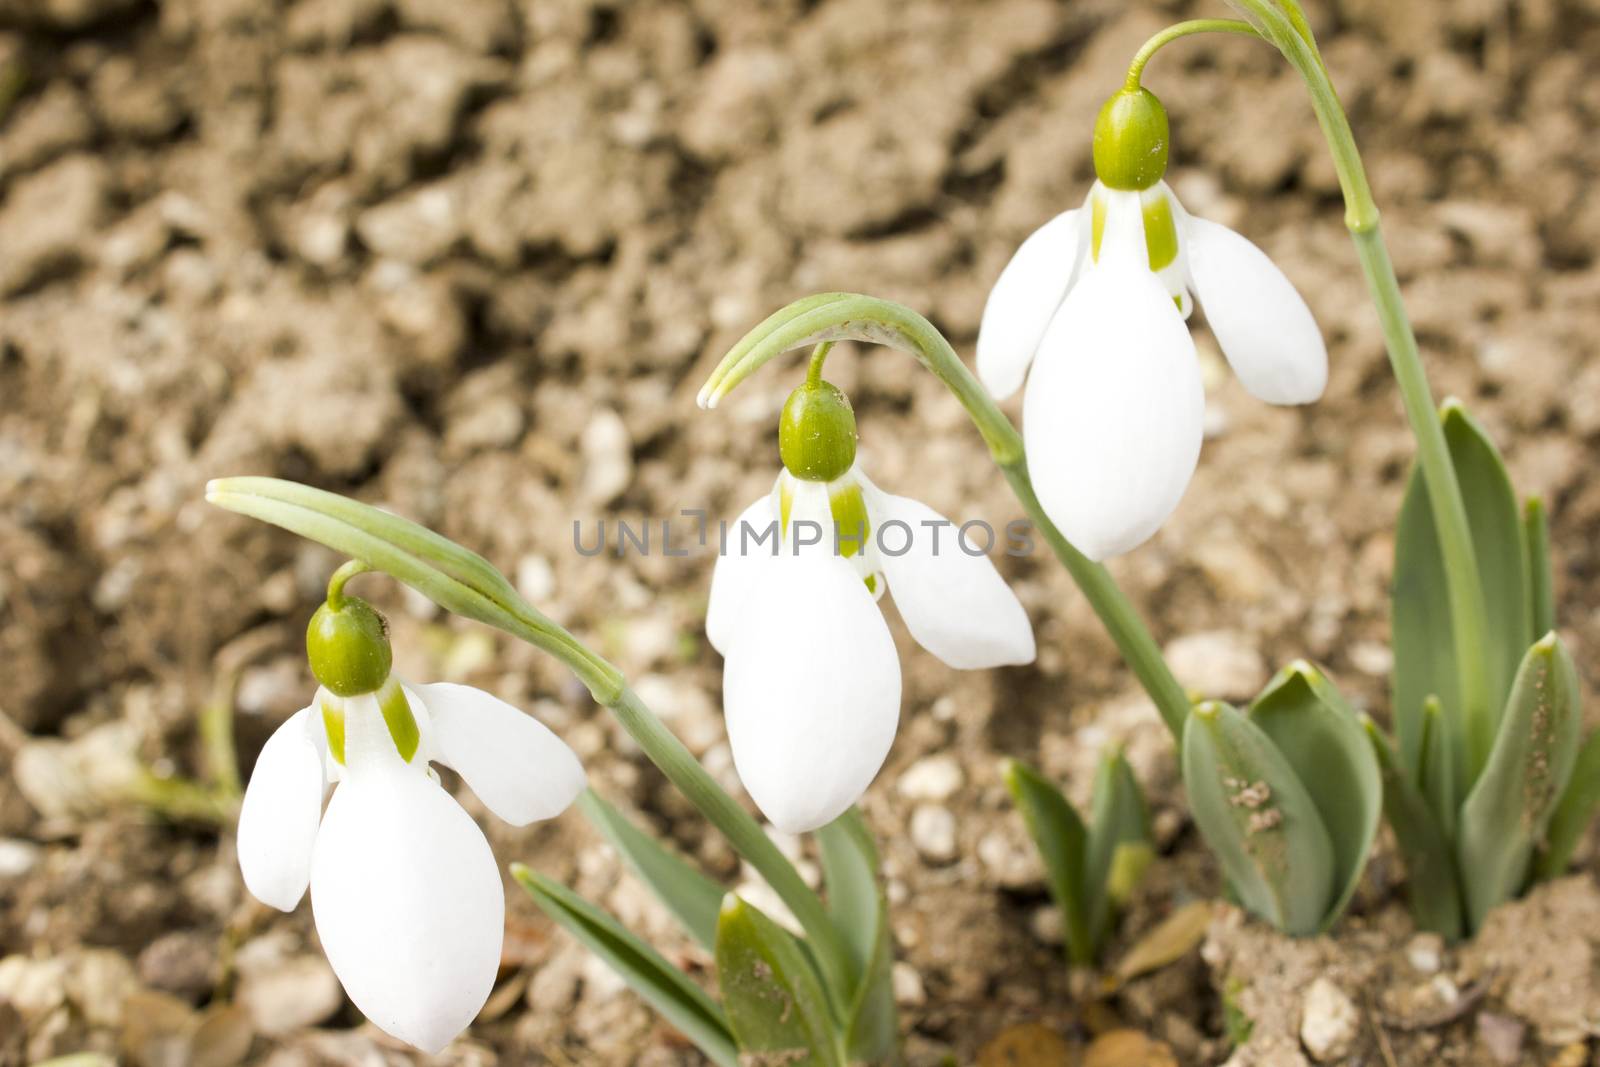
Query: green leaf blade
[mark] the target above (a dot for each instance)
(857, 904)
(1573, 814)
(692, 898)
(1319, 735)
(1120, 843)
(1433, 889)
(1258, 818)
(665, 988)
(775, 1004)
(1424, 643)
(1063, 844)
(1505, 816)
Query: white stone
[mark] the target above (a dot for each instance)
(933, 778)
(1425, 953)
(1218, 664)
(907, 981)
(1329, 1022)
(933, 832)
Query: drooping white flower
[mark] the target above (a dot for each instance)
(1095, 302)
(811, 686)
(407, 896)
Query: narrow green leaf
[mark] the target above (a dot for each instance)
(1437, 774)
(774, 1001)
(858, 906)
(1063, 845)
(1506, 814)
(1256, 815)
(850, 873)
(1318, 733)
(1424, 647)
(1120, 844)
(1541, 581)
(694, 900)
(1574, 813)
(1432, 888)
(664, 987)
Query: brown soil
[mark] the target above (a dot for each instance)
(472, 260)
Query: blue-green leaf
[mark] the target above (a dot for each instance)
(1436, 773)
(694, 900)
(1431, 885)
(1120, 844)
(1506, 814)
(1424, 644)
(1573, 815)
(1260, 822)
(1319, 735)
(1063, 844)
(667, 989)
(776, 1005)
(858, 906)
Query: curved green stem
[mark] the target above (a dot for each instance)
(1180, 30)
(347, 570)
(818, 356)
(836, 316)
(463, 582)
(1284, 25)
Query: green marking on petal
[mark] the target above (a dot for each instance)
(402, 724)
(1160, 233)
(785, 505)
(872, 584)
(1097, 211)
(333, 725)
(849, 509)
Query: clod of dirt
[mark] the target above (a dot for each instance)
(1540, 956)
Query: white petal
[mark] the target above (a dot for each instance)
(811, 691)
(409, 905)
(954, 602)
(518, 768)
(282, 807)
(1112, 418)
(1022, 302)
(1261, 322)
(735, 571)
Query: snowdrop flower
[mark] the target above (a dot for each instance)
(406, 893)
(1095, 300)
(811, 683)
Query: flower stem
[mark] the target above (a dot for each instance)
(818, 356)
(348, 570)
(833, 316)
(1286, 28)
(1179, 30)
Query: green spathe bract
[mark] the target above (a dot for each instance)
(817, 432)
(348, 646)
(1130, 140)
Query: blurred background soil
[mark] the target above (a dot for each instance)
(471, 259)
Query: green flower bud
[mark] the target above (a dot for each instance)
(1130, 140)
(348, 647)
(817, 432)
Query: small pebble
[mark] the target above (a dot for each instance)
(1329, 1022)
(933, 832)
(907, 981)
(933, 778)
(1425, 953)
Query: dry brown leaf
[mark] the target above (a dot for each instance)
(1174, 938)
